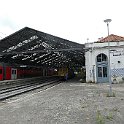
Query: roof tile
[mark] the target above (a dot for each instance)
(111, 38)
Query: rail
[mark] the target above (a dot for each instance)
(12, 91)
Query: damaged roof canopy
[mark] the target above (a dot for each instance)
(34, 48)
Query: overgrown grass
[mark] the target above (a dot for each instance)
(99, 118)
(110, 94)
(110, 117)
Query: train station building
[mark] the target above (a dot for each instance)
(29, 52)
(97, 60)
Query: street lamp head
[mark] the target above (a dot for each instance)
(107, 20)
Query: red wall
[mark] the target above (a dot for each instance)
(1, 74)
(8, 73)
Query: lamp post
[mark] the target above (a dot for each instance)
(107, 21)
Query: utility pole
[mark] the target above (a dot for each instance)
(107, 21)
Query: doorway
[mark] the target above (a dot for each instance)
(102, 68)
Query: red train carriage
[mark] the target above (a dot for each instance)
(29, 72)
(1, 73)
(8, 73)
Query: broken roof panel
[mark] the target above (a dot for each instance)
(31, 47)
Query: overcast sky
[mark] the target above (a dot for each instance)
(75, 20)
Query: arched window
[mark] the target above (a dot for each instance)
(101, 57)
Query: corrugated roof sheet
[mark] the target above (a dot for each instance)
(111, 38)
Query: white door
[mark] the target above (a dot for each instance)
(13, 73)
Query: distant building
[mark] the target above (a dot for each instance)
(96, 56)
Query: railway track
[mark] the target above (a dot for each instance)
(9, 92)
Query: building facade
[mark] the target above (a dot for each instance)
(97, 61)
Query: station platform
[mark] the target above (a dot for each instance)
(69, 102)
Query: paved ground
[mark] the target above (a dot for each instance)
(70, 102)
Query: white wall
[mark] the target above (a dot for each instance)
(117, 64)
(94, 49)
(90, 57)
